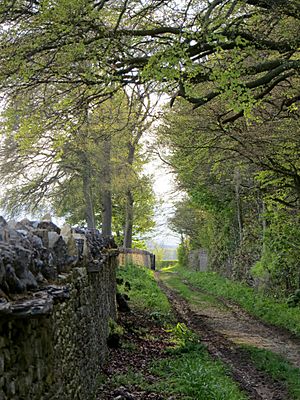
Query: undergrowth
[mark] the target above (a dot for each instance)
(277, 367)
(268, 309)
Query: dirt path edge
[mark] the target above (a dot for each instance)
(257, 385)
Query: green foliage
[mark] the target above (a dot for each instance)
(139, 244)
(182, 337)
(182, 253)
(166, 264)
(130, 378)
(267, 308)
(236, 60)
(280, 263)
(242, 201)
(159, 253)
(61, 167)
(294, 299)
(115, 328)
(278, 368)
(145, 293)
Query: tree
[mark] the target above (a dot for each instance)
(236, 60)
(240, 51)
(99, 152)
(242, 182)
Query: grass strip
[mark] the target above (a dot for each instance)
(196, 298)
(193, 375)
(268, 309)
(277, 367)
(144, 293)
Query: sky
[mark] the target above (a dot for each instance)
(165, 192)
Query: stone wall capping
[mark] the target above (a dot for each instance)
(5, 307)
(112, 252)
(40, 303)
(33, 307)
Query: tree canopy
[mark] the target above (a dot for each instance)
(231, 71)
(81, 51)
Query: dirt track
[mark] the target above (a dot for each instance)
(222, 326)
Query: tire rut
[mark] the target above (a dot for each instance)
(251, 330)
(258, 385)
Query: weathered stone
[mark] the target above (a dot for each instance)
(24, 224)
(53, 340)
(49, 226)
(52, 239)
(11, 389)
(37, 242)
(1, 365)
(5, 307)
(58, 293)
(15, 285)
(2, 221)
(40, 279)
(32, 307)
(43, 235)
(2, 271)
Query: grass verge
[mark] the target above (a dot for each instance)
(277, 367)
(185, 370)
(194, 298)
(266, 308)
(191, 374)
(144, 293)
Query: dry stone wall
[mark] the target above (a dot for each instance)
(136, 256)
(54, 317)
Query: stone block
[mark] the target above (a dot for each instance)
(2, 341)
(52, 239)
(2, 364)
(10, 389)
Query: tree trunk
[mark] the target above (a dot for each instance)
(264, 227)
(237, 180)
(128, 220)
(87, 191)
(106, 190)
(129, 211)
(88, 200)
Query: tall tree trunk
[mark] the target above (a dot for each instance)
(129, 211)
(88, 200)
(264, 227)
(106, 191)
(128, 220)
(87, 191)
(237, 184)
